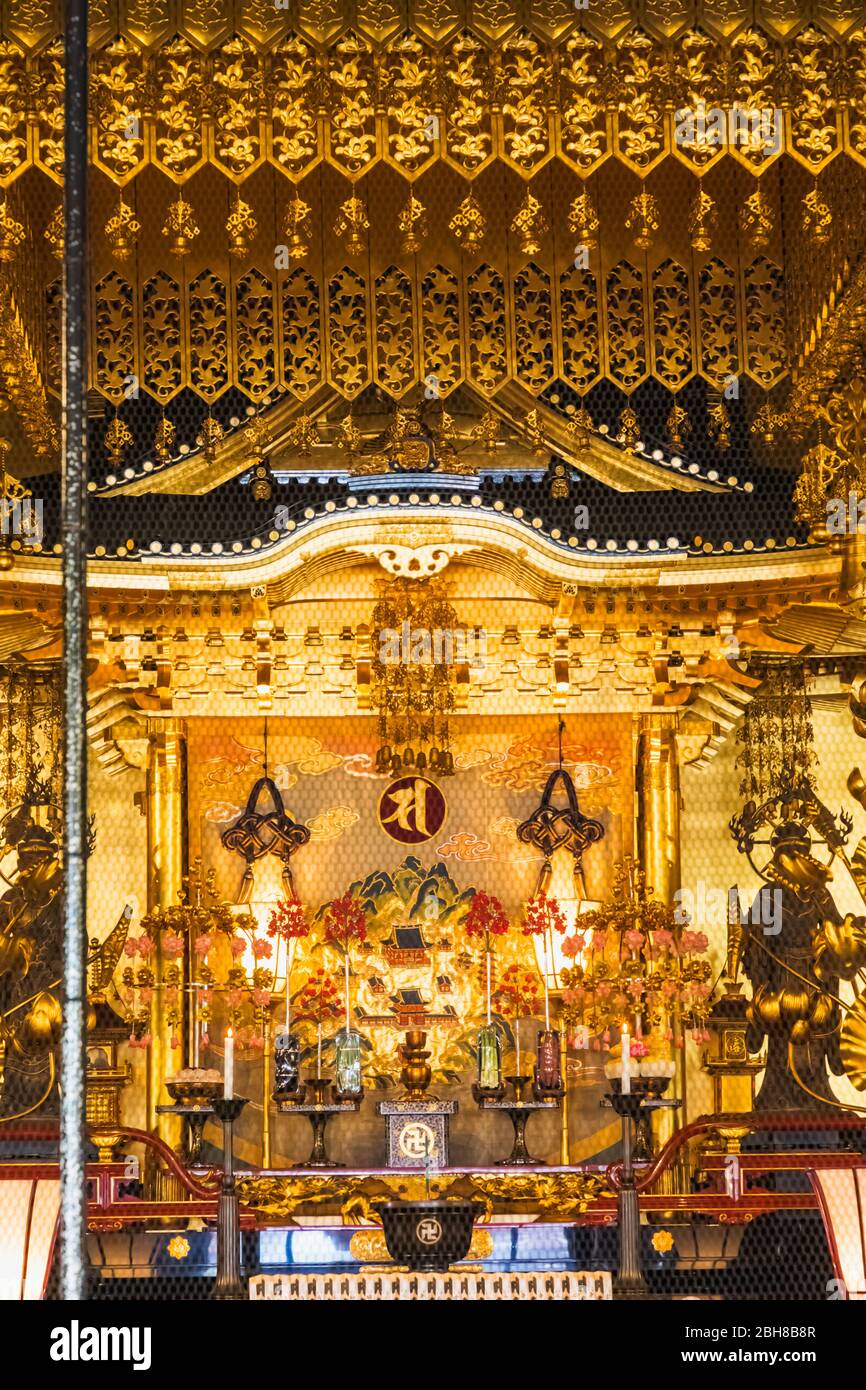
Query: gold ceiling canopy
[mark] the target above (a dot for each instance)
(181, 84)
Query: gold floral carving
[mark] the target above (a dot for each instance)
(764, 303)
(441, 337)
(488, 344)
(114, 337)
(254, 317)
(395, 332)
(581, 355)
(626, 328)
(672, 324)
(349, 355)
(301, 364)
(162, 336)
(533, 328)
(718, 321)
(208, 336)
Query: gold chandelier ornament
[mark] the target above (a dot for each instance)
(241, 227)
(581, 428)
(180, 227)
(352, 224)
(11, 234)
(121, 230)
(412, 225)
(816, 483)
(703, 217)
(529, 225)
(583, 221)
(298, 228)
(756, 220)
(55, 233)
(768, 423)
(629, 429)
(643, 220)
(469, 225)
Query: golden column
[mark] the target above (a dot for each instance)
(167, 868)
(658, 829)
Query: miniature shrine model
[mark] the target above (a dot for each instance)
(475, 650)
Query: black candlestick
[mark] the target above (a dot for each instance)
(630, 1281)
(229, 1285)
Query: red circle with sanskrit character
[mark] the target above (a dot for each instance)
(411, 810)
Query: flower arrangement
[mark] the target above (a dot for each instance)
(637, 969)
(485, 918)
(289, 923)
(516, 996)
(317, 1001)
(345, 922)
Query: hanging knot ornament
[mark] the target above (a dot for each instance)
(55, 233)
(703, 217)
(11, 234)
(241, 226)
(412, 225)
(468, 225)
(298, 228)
(583, 221)
(121, 230)
(643, 220)
(530, 225)
(756, 220)
(180, 228)
(352, 225)
(257, 833)
(552, 827)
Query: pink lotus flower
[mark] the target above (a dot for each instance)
(598, 940)
(634, 939)
(171, 994)
(638, 1048)
(572, 946)
(693, 941)
(203, 944)
(635, 988)
(256, 1041)
(603, 989)
(130, 945)
(262, 997)
(238, 946)
(172, 945)
(145, 996)
(234, 997)
(669, 989)
(662, 939)
(262, 949)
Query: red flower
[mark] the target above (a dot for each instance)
(288, 920)
(543, 913)
(345, 920)
(486, 916)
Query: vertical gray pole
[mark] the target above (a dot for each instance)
(74, 539)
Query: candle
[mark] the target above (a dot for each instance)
(229, 1076)
(546, 996)
(319, 1050)
(626, 1061)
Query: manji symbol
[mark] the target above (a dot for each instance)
(412, 810)
(429, 1231)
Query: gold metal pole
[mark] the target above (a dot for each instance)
(266, 1099)
(167, 867)
(658, 785)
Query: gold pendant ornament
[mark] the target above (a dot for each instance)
(678, 425)
(629, 429)
(241, 227)
(163, 439)
(55, 233)
(352, 224)
(468, 225)
(756, 220)
(530, 225)
(11, 234)
(121, 230)
(209, 436)
(643, 220)
(412, 224)
(118, 438)
(180, 227)
(817, 217)
(298, 228)
(581, 427)
(703, 217)
(583, 221)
